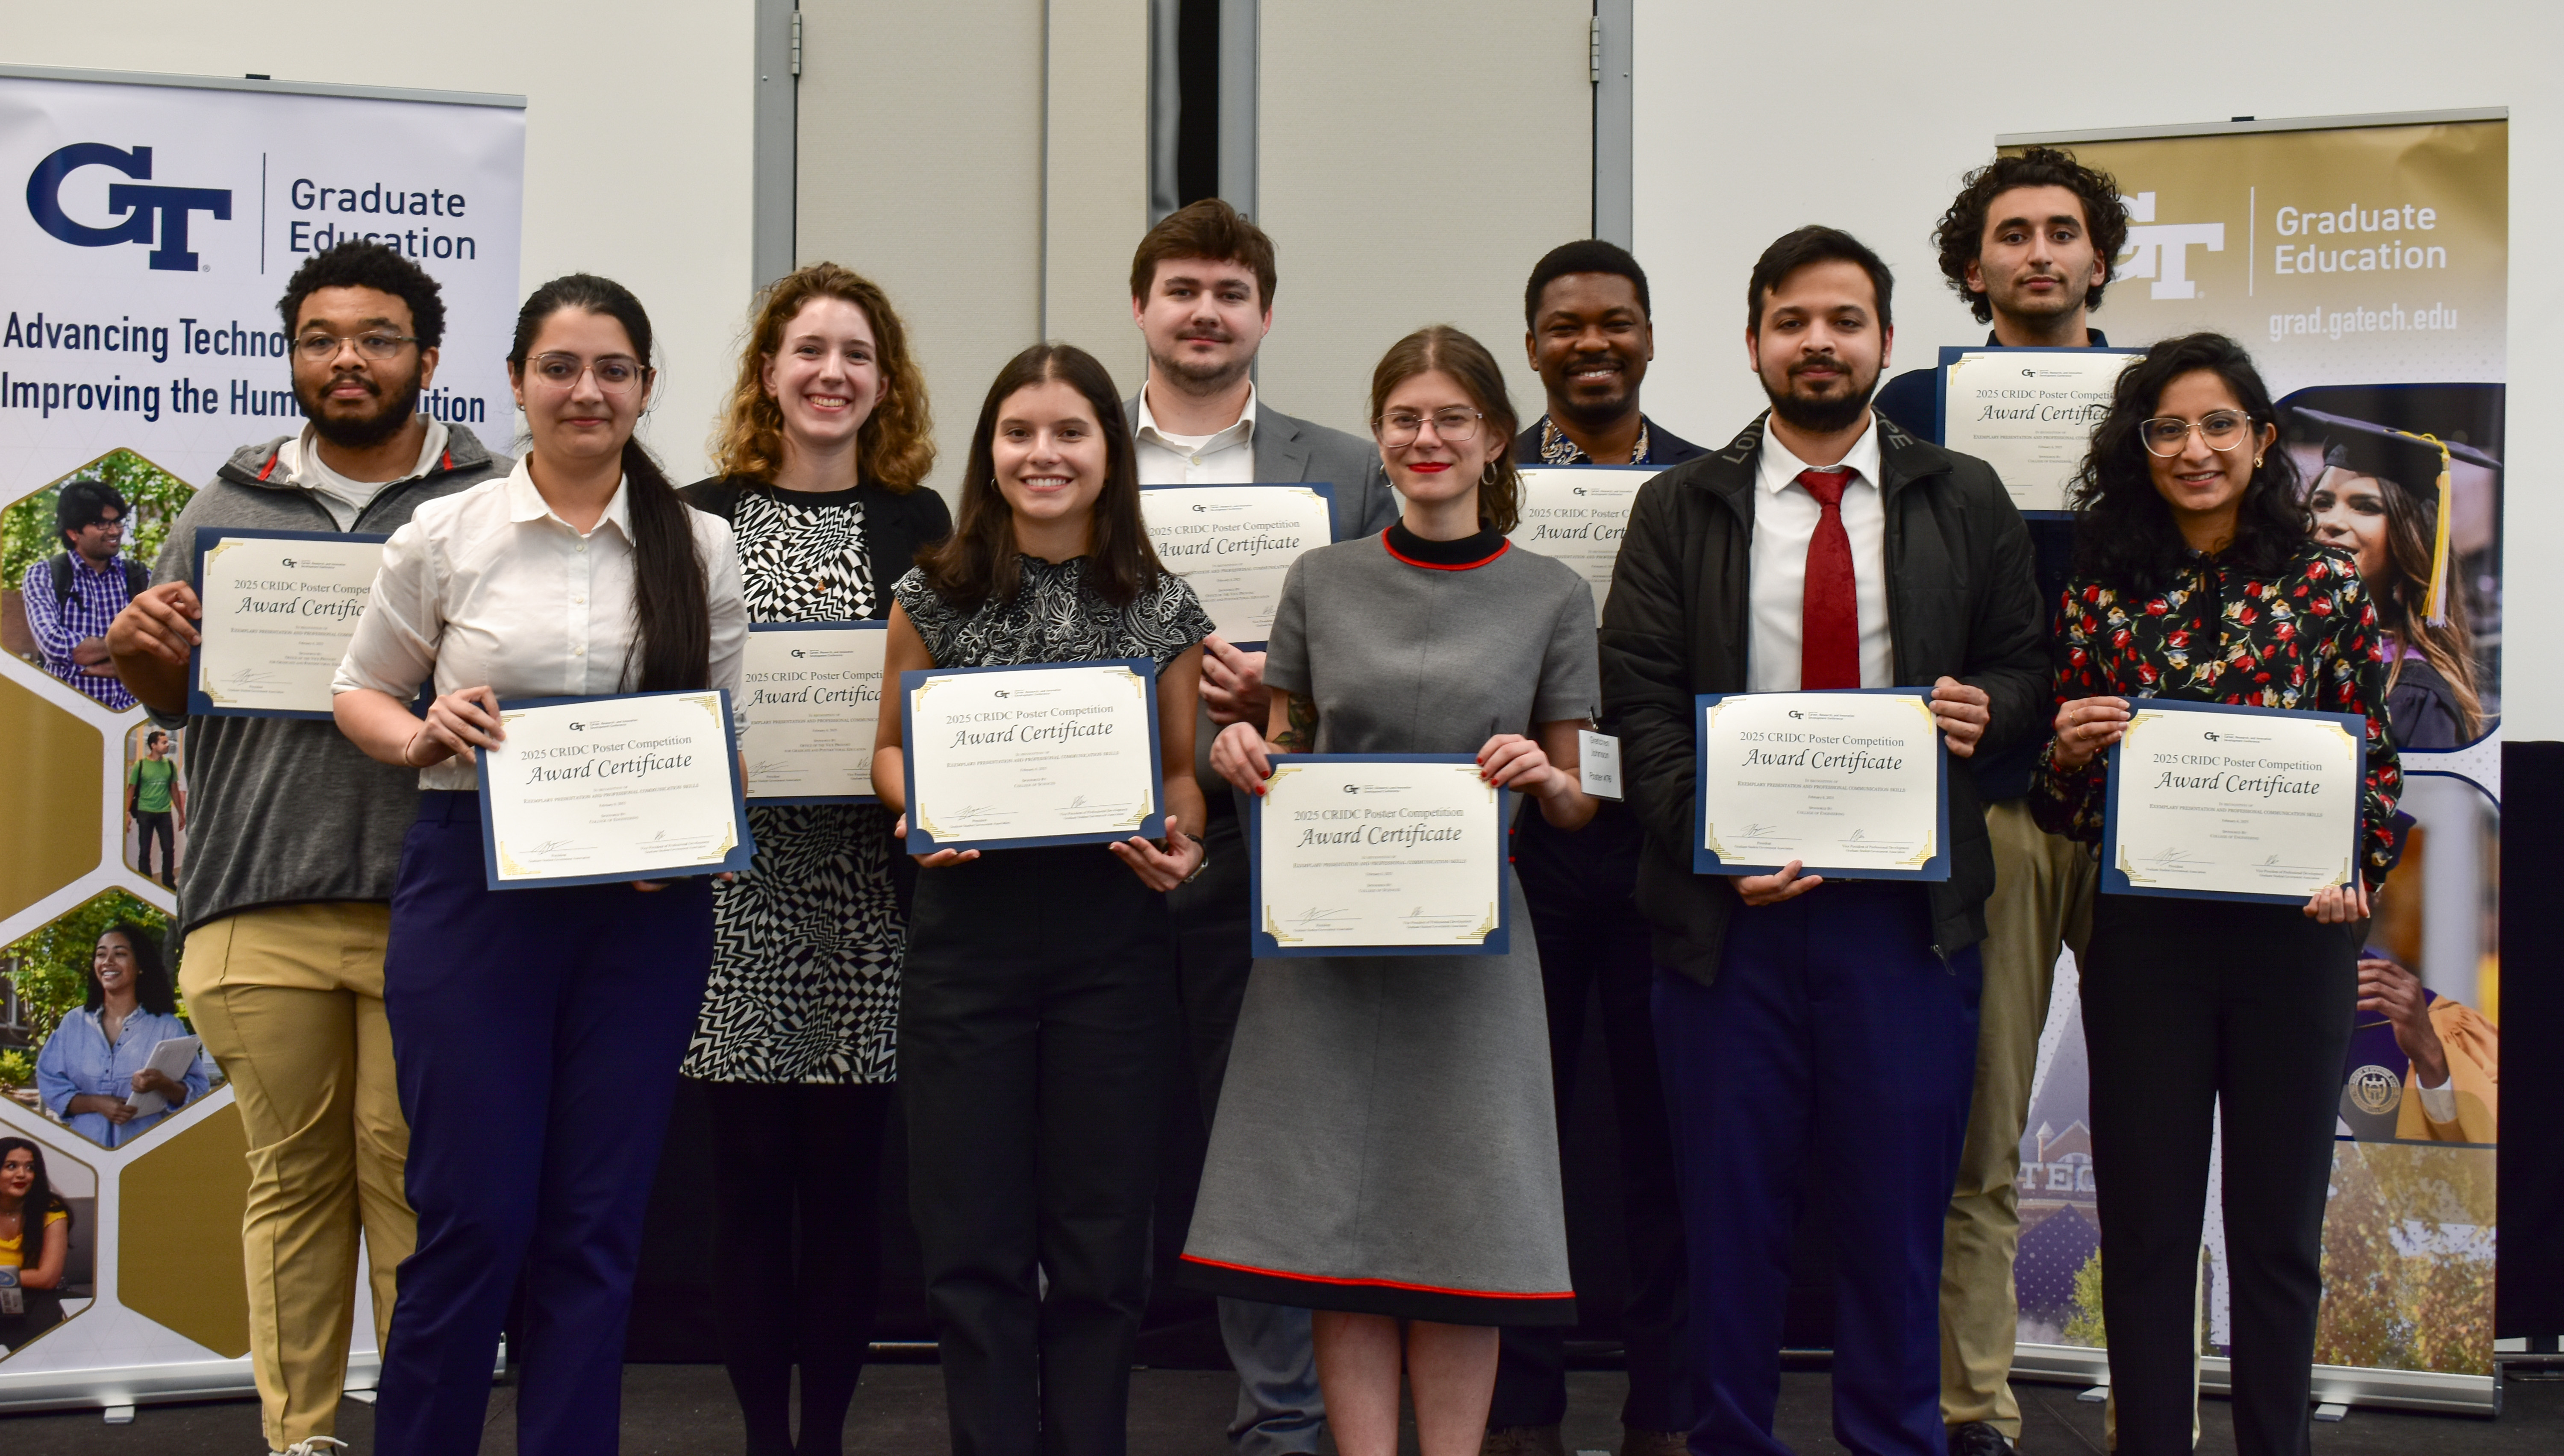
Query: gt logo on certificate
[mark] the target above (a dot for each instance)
(1233, 545)
(814, 705)
(280, 606)
(594, 790)
(1378, 854)
(2217, 801)
(1853, 784)
(2028, 413)
(1578, 514)
(1051, 753)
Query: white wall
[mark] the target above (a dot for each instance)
(1752, 121)
(637, 134)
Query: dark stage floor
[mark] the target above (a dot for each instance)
(685, 1411)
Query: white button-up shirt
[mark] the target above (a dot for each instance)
(1223, 458)
(1784, 521)
(489, 587)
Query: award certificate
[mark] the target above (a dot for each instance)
(280, 606)
(593, 790)
(1578, 514)
(1234, 544)
(1852, 784)
(2216, 801)
(813, 708)
(1378, 854)
(2028, 413)
(1051, 753)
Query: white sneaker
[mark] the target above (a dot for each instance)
(312, 1446)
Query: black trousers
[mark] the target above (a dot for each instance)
(2194, 1009)
(1037, 1022)
(150, 826)
(797, 1214)
(1592, 940)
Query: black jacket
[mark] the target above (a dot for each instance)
(1962, 603)
(897, 523)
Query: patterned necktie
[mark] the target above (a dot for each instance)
(1830, 612)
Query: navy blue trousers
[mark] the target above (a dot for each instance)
(536, 1034)
(1835, 1053)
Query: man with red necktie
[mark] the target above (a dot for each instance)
(1818, 1038)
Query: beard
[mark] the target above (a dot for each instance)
(361, 430)
(1596, 413)
(1821, 414)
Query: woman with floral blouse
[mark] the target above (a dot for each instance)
(2197, 575)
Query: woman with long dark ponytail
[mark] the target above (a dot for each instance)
(536, 1032)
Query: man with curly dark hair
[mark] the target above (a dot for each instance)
(2029, 244)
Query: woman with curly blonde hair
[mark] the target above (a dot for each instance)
(824, 452)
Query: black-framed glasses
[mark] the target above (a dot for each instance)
(321, 347)
(2222, 429)
(615, 373)
(1453, 426)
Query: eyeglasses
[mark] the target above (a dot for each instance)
(615, 373)
(1453, 426)
(2219, 430)
(323, 347)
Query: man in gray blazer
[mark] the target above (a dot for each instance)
(1201, 293)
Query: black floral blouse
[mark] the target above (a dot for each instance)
(1054, 618)
(2304, 640)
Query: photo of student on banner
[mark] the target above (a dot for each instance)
(124, 1061)
(155, 803)
(71, 554)
(47, 1240)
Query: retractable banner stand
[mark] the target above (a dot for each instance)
(2364, 263)
(148, 228)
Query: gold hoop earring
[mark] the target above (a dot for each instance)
(1487, 477)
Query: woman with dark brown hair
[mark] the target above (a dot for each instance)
(1386, 1150)
(1038, 1014)
(823, 454)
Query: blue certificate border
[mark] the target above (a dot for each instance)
(200, 706)
(921, 842)
(2114, 881)
(1326, 492)
(1703, 862)
(737, 860)
(1950, 353)
(856, 624)
(1499, 942)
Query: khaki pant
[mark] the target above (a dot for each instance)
(2042, 900)
(289, 1000)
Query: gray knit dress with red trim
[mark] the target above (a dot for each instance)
(1385, 1141)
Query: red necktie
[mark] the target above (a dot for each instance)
(1830, 612)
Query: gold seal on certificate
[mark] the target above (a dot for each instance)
(589, 790)
(2216, 801)
(1048, 753)
(1378, 854)
(1851, 784)
(280, 606)
(814, 705)
(1578, 514)
(1233, 545)
(2028, 413)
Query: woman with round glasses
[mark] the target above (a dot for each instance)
(1386, 1150)
(2198, 575)
(537, 1031)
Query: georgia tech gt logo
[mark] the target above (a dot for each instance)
(149, 212)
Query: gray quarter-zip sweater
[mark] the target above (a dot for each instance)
(282, 810)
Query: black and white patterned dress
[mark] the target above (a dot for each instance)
(1053, 618)
(808, 942)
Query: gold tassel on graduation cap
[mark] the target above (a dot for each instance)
(2439, 613)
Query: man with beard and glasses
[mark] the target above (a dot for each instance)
(1798, 1019)
(284, 898)
(1590, 334)
(2027, 243)
(1201, 293)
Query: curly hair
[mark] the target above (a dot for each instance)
(2124, 534)
(151, 985)
(893, 448)
(358, 264)
(1441, 346)
(1961, 234)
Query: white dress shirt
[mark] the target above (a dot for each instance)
(488, 587)
(1223, 458)
(1784, 521)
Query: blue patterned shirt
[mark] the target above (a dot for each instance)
(59, 626)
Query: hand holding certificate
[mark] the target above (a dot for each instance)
(1389, 853)
(1851, 784)
(1048, 753)
(598, 790)
(814, 703)
(279, 608)
(2216, 801)
(1234, 544)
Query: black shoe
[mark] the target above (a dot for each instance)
(1975, 1438)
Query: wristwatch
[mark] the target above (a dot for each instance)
(1205, 859)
